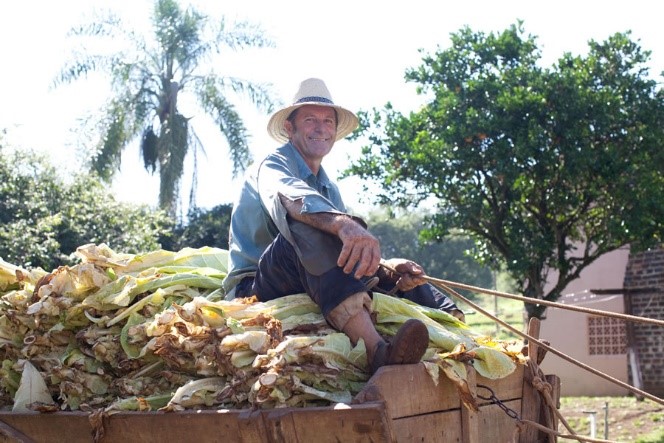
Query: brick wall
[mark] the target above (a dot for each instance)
(644, 296)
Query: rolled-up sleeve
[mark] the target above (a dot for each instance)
(288, 176)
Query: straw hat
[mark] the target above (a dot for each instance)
(312, 92)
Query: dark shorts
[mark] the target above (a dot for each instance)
(283, 270)
(280, 273)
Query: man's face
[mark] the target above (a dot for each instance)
(313, 132)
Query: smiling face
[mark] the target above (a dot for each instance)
(312, 130)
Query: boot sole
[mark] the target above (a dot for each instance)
(409, 344)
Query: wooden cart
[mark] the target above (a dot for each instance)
(408, 407)
(399, 404)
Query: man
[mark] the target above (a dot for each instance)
(290, 233)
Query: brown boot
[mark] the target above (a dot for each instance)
(406, 347)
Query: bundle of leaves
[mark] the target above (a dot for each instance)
(144, 332)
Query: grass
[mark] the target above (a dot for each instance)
(629, 419)
(653, 437)
(507, 310)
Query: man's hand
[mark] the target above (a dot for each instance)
(411, 274)
(360, 249)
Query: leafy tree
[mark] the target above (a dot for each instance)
(204, 228)
(546, 168)
(449, 259)
(148, 81)
(44, 219)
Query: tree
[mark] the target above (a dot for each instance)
(204, 228)
(449, 259)
(44, 219)
(147, 83)
(546, 168)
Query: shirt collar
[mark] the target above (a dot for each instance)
(305, 171)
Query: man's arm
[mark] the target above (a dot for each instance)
(360, 248)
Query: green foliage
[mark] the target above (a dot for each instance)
(629, 418)
(44, 219)
(546, 168)
(204, 228)
(508, 310)
(449, 259)
(148, 80)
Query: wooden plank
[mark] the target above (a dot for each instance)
(251, 427)
(280, 426)
(409, 390)
(9, 434)
(506, 388)
(534, 326)
(495, 425)
(182, 426)
(469, 417)
(549, 417)
(368, 422)
(554, 381)
(73, 427)
(360, 423)
(530, 408)
(531, 398)
(434, 427)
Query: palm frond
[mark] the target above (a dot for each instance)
(105, 25)
(81, 66)
(259, 94)
(115, 128)
(178, 33)
(230, 124)
(240, 35)
(196, 146)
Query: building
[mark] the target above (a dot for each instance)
(632, 352)
(599, 342)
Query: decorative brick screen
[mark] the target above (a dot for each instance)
(606, 336)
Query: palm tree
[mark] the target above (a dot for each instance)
(147, 81)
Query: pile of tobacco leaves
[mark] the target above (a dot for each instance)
(146, 332)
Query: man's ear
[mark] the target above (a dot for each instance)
(288, 126)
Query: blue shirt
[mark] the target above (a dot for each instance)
(258, 215)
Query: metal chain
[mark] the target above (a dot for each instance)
(495, 400)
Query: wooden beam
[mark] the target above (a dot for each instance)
(469, 419)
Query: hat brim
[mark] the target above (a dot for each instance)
(347, 121)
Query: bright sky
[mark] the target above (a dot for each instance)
(360, 48)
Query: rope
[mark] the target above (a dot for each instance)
(442, 285)
(543, 387)
(545, 390)
(538, 301)
(565, 436)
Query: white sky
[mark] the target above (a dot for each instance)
(360, 48)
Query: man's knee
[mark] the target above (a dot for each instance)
(318, 251)
(348, 308)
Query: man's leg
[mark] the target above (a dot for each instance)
(352, 316)
(278, 272)
(343, 299)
